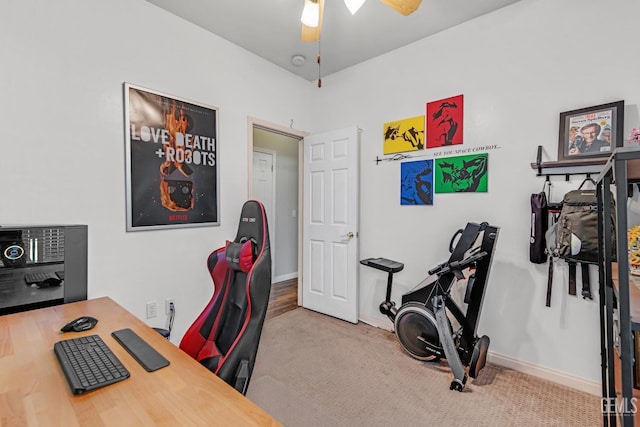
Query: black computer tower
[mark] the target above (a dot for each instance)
(42, 266)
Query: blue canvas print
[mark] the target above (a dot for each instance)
(416, 183)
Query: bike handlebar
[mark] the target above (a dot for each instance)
(457, 265)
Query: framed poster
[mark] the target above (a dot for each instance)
(171, 161)
(444, 122)
(403, 135)
(460, 174)
(416, 182)
(591, 132)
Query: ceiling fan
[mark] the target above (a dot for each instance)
(313, 10)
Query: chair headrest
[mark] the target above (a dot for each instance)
(252, 238)
(241, 255)
(253, 225)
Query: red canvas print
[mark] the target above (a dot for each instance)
(444, 122)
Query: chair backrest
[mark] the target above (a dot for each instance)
(225, 336)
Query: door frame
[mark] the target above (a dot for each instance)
(253, 122)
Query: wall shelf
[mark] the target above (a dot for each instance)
(567, 167)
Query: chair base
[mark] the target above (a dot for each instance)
(164, 332)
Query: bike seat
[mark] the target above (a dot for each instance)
(383, 264)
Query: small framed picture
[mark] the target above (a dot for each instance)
(591, 132)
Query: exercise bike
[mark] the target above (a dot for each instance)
(422, 324)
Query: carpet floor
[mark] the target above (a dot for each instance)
(314, 370)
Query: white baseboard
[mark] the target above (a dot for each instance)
(558, 377)
(377, 323)
(578, 383)
(284, 277)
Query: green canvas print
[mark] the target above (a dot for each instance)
(462, 174)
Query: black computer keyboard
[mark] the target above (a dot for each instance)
(88, 363)
(32, 278)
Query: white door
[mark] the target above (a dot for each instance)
(264, 190)
(330, 224)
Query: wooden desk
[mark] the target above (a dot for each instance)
(34, 391)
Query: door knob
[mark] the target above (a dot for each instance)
(350, 235)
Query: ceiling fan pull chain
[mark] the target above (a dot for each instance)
(318, 60)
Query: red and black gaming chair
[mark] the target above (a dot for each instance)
(225, 336)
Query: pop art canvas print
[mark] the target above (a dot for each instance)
(444, 122)
(403, 135)
(462, 174)
(416, 183)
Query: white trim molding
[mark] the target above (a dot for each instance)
(558, 377)
(284, 277)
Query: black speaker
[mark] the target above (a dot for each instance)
(12, 251)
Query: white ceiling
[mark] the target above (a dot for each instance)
(271, 28)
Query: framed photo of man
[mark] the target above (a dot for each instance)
(591, 132)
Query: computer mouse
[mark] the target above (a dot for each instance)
(49, 282)
(83, 323)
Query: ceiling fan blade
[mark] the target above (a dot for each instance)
(312, 34)
(404, 7)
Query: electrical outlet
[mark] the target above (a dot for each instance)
(152, 309)
(167, 305)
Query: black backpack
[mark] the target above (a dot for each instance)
(576, 236)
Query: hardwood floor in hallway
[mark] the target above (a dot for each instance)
(283, 297)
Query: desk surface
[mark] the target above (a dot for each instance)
(34, 391)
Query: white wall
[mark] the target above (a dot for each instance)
(62, 158)
(518, 68)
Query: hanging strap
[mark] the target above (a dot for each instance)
(572, 278)
(550, 238)
(587, 179)
(586, 281)
(549, 281)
